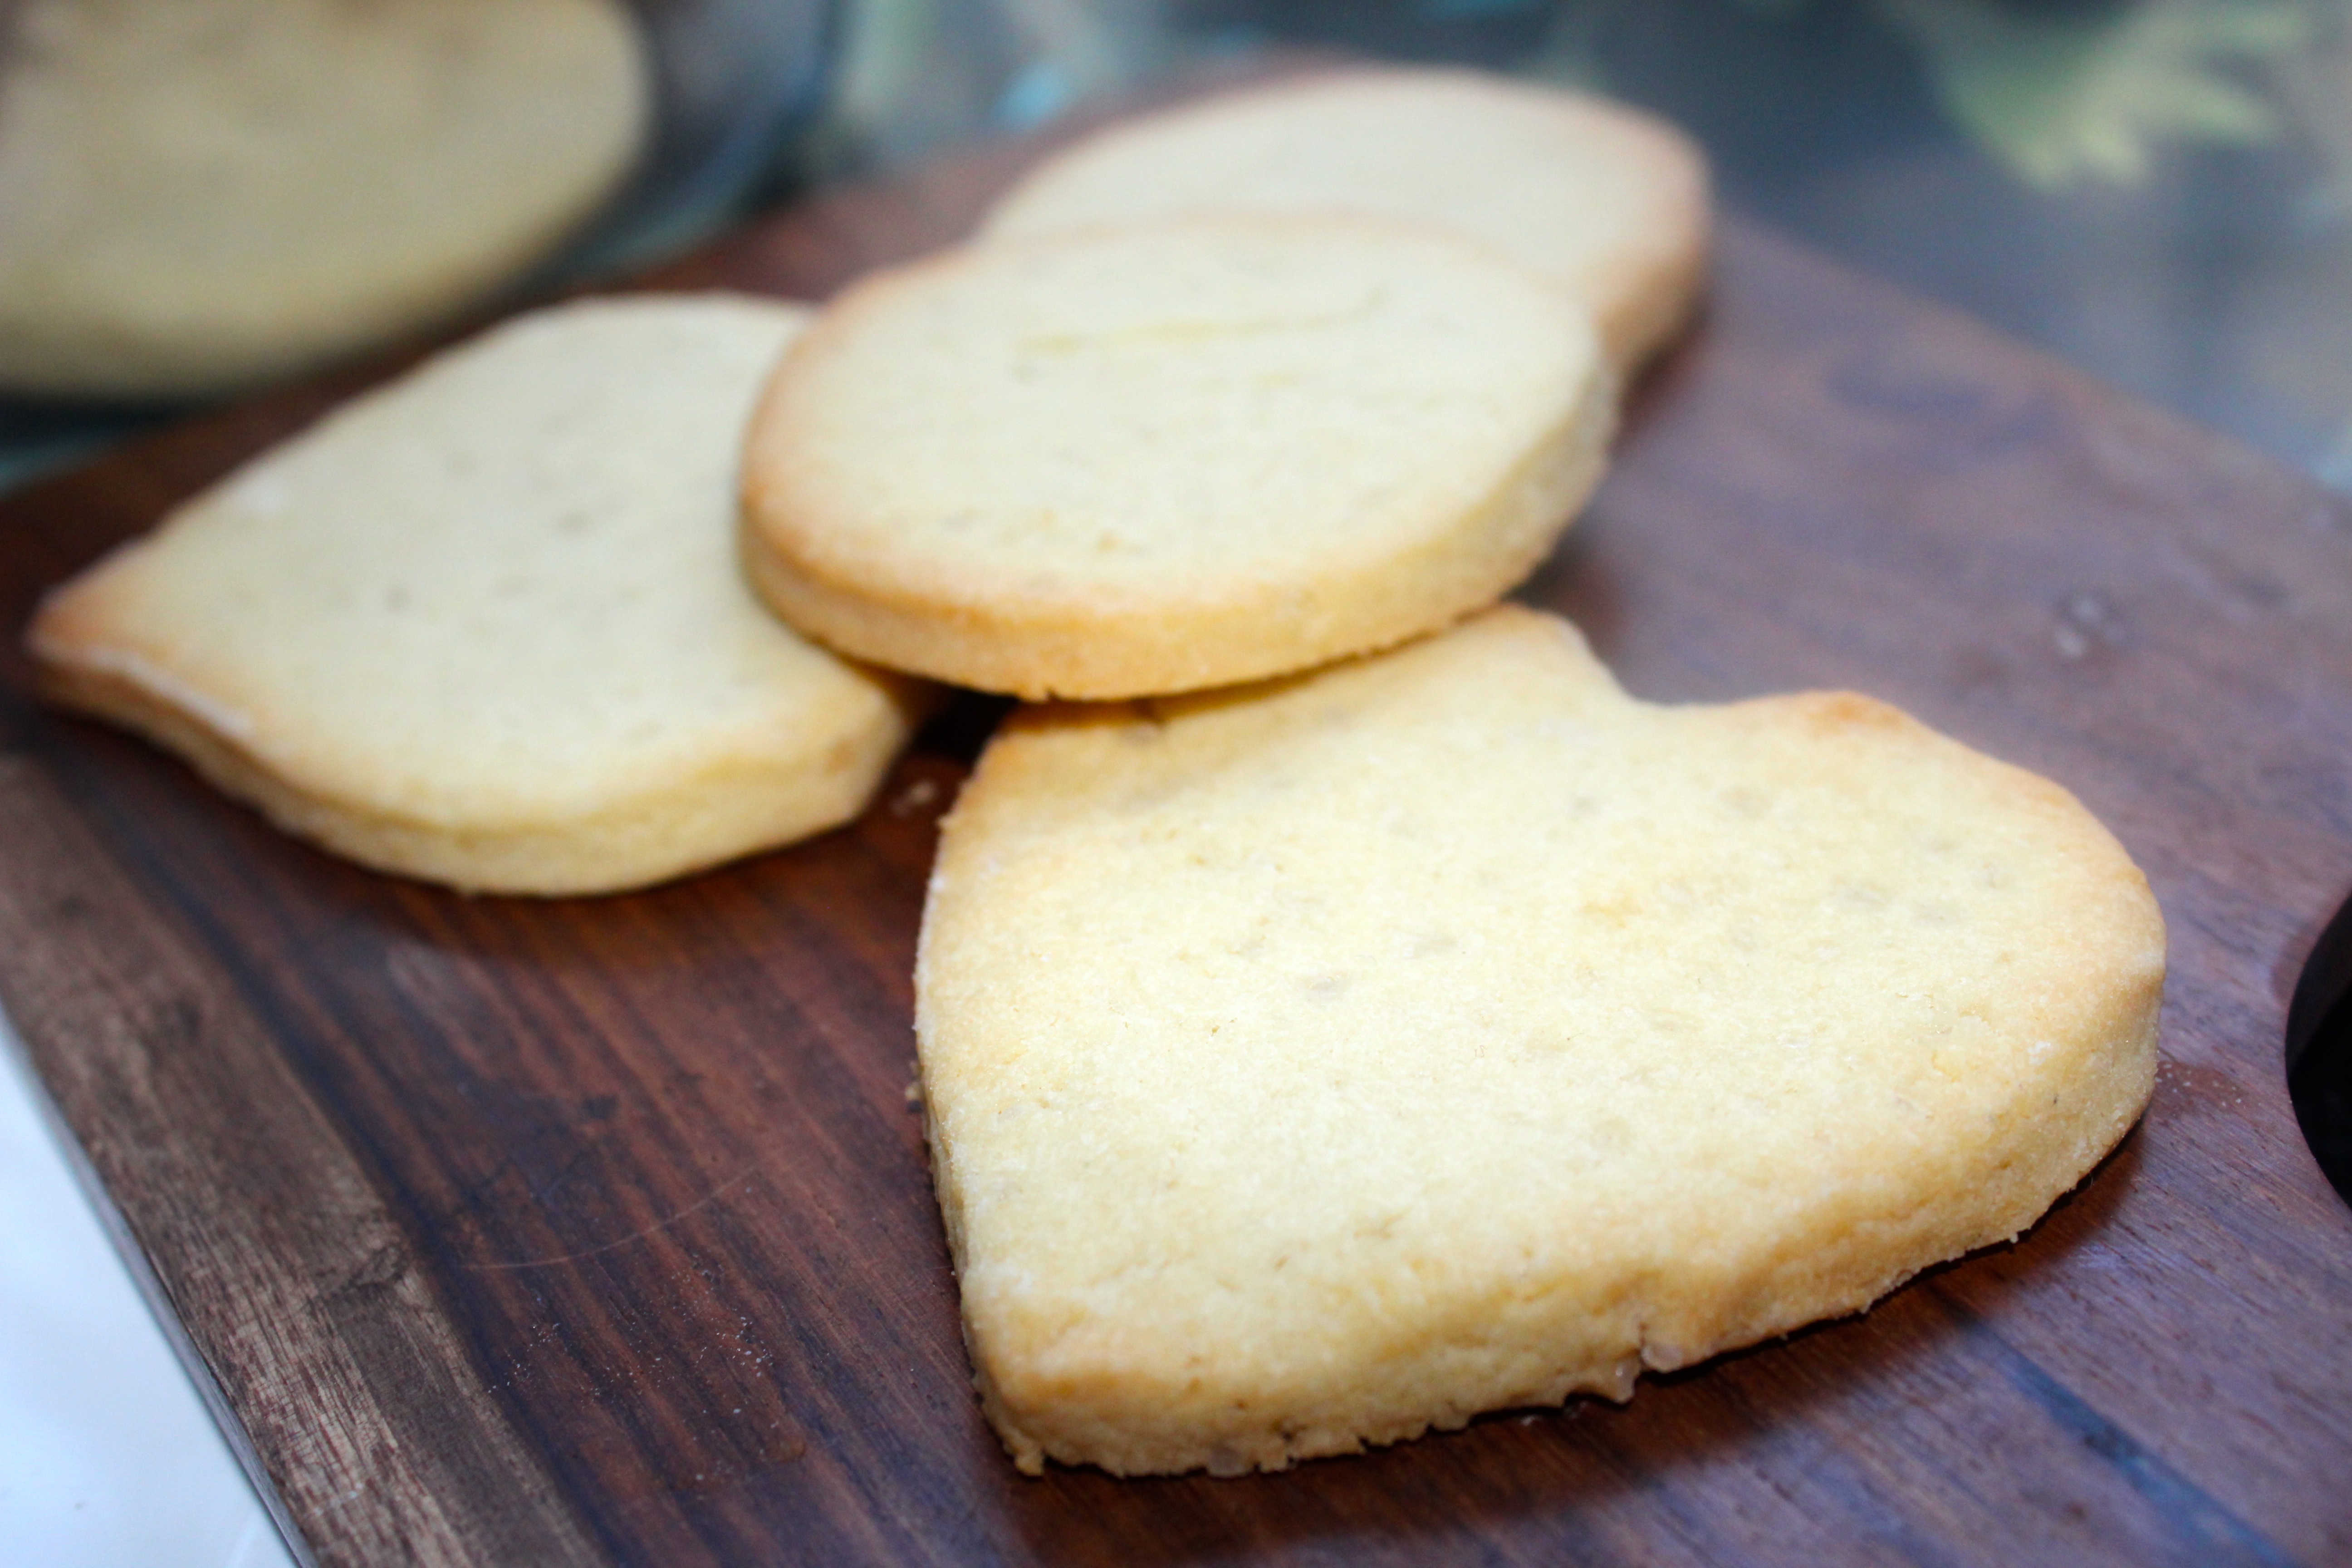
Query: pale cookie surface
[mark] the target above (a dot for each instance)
(1311, 1066)
(201, 194)
(1606, 201)
(1156, 459)
(486, 625)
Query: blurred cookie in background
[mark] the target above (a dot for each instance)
(1605, 202)
(213, 193)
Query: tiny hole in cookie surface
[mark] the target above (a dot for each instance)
(2319, 1052)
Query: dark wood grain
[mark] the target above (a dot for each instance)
(599, 1231)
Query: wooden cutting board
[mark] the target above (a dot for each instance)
(599, 1231)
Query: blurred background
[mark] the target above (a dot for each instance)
(200, 198)
(2159, 191)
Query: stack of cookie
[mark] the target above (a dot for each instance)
(1342, 1010)
(1228, 394)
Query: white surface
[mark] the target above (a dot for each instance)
(108, 1460)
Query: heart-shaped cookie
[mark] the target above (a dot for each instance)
(1312, 1065)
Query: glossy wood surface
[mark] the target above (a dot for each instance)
(599, 1231)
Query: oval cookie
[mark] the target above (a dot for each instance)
(1166, 457)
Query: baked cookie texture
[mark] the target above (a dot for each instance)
(1313, 1065)
(1609, 203)
(486, 625)
(1152, 459)
(205, 194)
